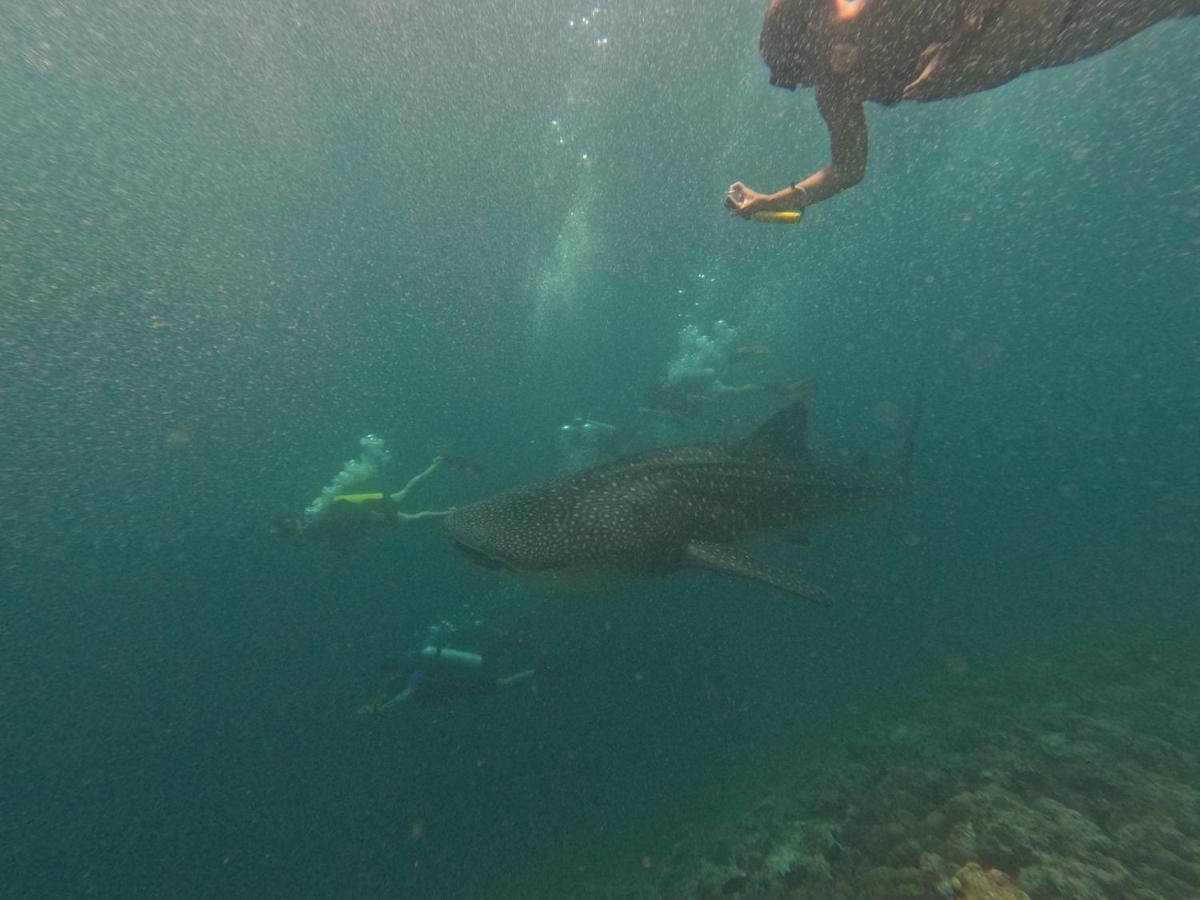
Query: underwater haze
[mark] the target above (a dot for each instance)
(236, 237)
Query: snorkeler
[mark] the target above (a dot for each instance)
(438, 673)
(886, 51)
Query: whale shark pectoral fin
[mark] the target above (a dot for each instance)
(729, 560)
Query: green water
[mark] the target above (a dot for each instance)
(235, 237)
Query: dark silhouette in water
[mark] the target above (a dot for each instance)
(649, 514)
(885, 51)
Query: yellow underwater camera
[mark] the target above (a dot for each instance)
(786, 217)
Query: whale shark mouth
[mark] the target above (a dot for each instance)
(479, 558)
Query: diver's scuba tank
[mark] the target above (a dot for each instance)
(458, 659)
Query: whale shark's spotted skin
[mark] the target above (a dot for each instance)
(649, 514)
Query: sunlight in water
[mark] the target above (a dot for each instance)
(558, 284)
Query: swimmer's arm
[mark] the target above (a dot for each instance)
(847, 123)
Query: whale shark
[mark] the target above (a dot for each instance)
(649, 514)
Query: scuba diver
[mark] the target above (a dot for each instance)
(687, 397)
(438, 673)
(340, 515)
(886, 51)
(346, 519)
(583, 442)
(695, 376)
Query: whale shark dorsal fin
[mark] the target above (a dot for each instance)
(783, 434)
(729, 560)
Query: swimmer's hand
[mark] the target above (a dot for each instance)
(938, 57)
(742, 201)
(933, 59)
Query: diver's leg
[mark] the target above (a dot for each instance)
(413, 483)
(401, 697)
(515, 679)
(721, 388)
(423, 514)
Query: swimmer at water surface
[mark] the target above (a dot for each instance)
(885, 51)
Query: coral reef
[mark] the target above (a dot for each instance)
(1080, 783)
(973, 883)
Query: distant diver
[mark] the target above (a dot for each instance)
(583, 442)
(698, 375)
(885, 51)
(650, 514)
(342, 513)
(438, 673)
